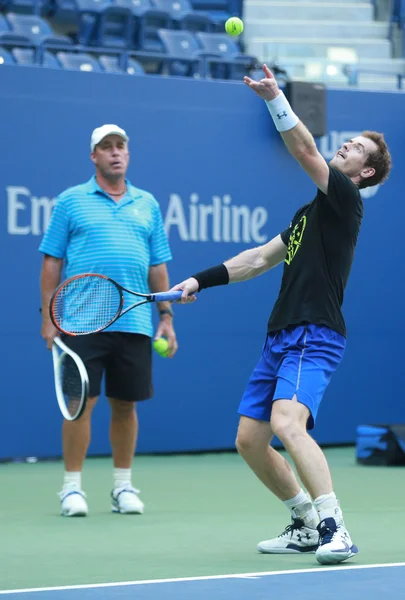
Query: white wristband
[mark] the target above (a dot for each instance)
(282, 114)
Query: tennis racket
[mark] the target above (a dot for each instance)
(71, 380)
(90, 303)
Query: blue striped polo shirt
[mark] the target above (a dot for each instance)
(95, 234)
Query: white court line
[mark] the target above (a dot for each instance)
(203, 578)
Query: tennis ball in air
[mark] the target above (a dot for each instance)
(161, 346)
(234, 26)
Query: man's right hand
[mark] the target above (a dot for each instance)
(48, 332)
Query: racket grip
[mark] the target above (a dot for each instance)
(166, 296)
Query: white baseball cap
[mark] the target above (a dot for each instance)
(101, 132)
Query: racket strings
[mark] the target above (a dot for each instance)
(86, 304)
(72, 384)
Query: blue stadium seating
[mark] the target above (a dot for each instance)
(37, 30)
(89, 12)
(30, 7)
(224, 59)
(134, 67)
(34, 7)
(148, 20)
(398, 12)
(111, 64)
(78, 62)
(184, 17)
(182, 52)
(122, 36)
(5, 57)
(8, 37)
(27, 56)
(219, 10)
(115, 28)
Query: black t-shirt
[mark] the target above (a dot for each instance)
(320, 247)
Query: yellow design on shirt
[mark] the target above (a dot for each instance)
(295, 239)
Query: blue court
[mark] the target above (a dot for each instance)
(368, 582)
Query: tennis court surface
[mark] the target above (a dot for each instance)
(197, 539)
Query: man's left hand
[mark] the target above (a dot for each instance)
(166, 329)
(267, 88)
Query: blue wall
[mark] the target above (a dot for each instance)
(193, 143)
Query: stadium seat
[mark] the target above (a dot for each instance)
(147, 21)
(29, 7)
(37, 30)
(134, 67)
(27, 56)
(218, 10)
(182, 52)
(65, 11)
(111, 64)
(89, 12)
(8, 37)
(5, 57)
(78, 62)
(224, 59)
(115, 28)
(184, 16)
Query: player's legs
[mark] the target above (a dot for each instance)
(312, 355)
(289, 423)
(128, 380)
(253, 444)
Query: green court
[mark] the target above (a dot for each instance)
(204, 516)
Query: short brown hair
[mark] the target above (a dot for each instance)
(380, 160)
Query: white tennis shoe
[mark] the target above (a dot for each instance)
(125, 500)
(335, 544)
(73, 502)
(295, 539)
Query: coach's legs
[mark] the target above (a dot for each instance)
(123, 432)
(123, 438)
(269, 466)
(76, 438)
(288, 423)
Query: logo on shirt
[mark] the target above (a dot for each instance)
(295, 239)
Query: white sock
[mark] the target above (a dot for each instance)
(301, 507)
(72, 478)
(327, 506)
(122, 477)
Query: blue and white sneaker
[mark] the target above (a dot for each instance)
(335, 544)
(73, 502)
(295, 539)
(125, 500)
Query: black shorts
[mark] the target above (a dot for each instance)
(124, 358)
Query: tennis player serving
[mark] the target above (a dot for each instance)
(306, 333)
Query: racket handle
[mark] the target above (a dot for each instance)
(166, 296)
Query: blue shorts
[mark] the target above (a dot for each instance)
(297, 361)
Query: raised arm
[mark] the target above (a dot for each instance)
(296, 136)
(248, 264)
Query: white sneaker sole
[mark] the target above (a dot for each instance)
(284, 551)
(334, 558)
(137, 511)
(76, 513)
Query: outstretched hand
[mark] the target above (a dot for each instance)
(267, 88)
(188, 287)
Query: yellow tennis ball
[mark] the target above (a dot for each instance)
(161, 346)
(234, 26)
